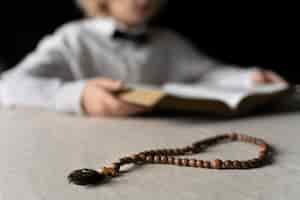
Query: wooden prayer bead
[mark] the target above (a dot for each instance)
(263, 147)
(262, 157)
(223, 137)
(126, 160)
(156, 159)
(163, 159)
(188, 149)
(108, 171)
(185, 162)
(237, 164)
(192, 163)
(233, 136)
(228, 164)
(142, 156)
(116, 166)
(206, 164)
(262, 161)
(149, 159)
(252, 163)
(199, 163)
(136, 158)
(177, 151)
(259, 141)
(160, 152)
(247, 139)
(152, 152)
(251, 140)
(241, 138)
(166, 151)
(244, 164)
(170, 160)
(195, 150)
(263, 152)
(177, 161)
(257, 161)
(146, 153)
(171, 152)
(196, 145)
(216, 164)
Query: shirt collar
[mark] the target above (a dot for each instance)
(107, 26)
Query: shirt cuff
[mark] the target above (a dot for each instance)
(69, 97)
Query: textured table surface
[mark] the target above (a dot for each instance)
(38, 149)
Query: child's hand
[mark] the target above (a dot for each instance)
(267, 77)
(98, 100)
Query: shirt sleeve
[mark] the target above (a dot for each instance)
(188, 64)
(46, 78)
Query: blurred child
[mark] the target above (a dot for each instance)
(79, 68)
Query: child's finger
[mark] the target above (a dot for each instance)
(131, 109)
(274, 77)
(109, 84)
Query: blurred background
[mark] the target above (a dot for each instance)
(246, 33)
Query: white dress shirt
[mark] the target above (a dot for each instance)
(54, 75)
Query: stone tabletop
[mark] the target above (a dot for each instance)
(39, 148)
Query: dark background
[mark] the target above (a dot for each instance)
(246, 34)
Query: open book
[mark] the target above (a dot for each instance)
(205, 97)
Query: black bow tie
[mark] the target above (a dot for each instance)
(140, 38)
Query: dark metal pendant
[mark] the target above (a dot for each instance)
(86, 177)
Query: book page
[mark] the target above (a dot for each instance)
(231, 95)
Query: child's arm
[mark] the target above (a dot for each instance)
(188, 64)
(51, 77)
(46, 78)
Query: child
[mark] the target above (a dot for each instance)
(80, 67)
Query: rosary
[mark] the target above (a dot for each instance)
(168, 157)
